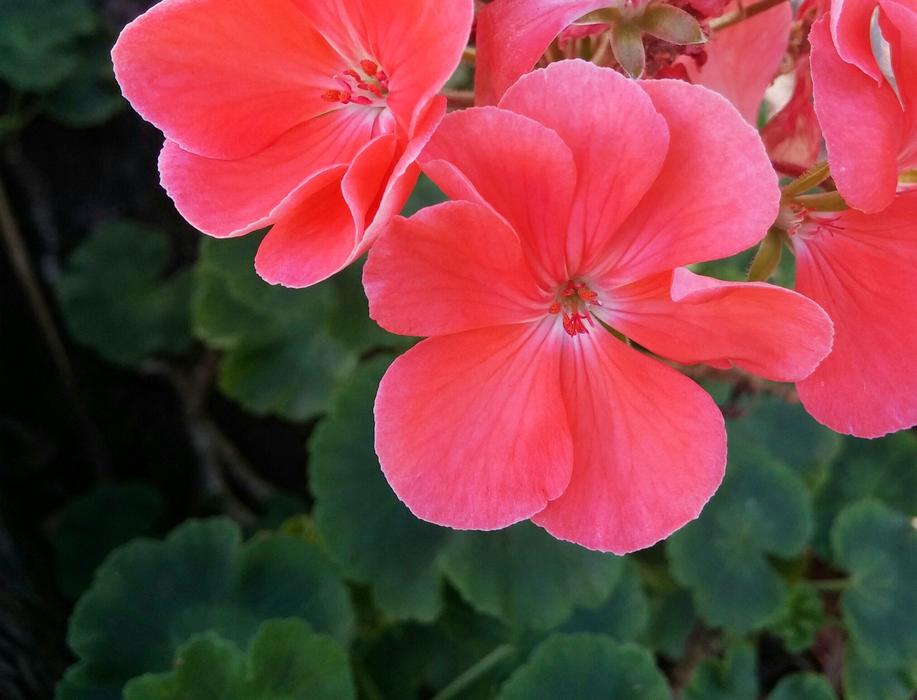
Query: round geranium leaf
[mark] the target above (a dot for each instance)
(97, 522)
(761, 509)
(877, 546)
(286, 661)
(786, 433)
(671, 620)
(731, 678)
(624, 616)
(803, 686)
(371, 535)
(587, 667)
(279, 356)
(527, 578)
(882, 469)
(149, 597)
(115, 299)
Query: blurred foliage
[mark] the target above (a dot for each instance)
(807, 553)
(54, 58)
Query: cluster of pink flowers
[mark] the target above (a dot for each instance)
(613, 144)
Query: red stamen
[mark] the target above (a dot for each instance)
(353, 74)
(360, 100)
(554, 308)
(586, 294)
(369, 67)
(333, 96)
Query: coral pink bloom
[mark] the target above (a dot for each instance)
(304, 115)
(743, 59)
(860, 267)
(870, 124)
(581, 196)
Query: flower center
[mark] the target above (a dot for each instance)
(572, 302)
(368, 86)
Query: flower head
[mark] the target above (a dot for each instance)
(304, 115)
(580, 198)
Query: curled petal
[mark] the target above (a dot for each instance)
(766, 330)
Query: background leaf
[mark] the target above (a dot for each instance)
(116, 299)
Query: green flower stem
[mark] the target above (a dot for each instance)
(810, 179)
(476, 672)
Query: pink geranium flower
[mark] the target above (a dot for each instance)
(860, 268)
(869, 123)
(304, 115)
(581, 196)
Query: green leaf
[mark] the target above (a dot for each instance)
(761, 509)
(150, 597)
(94, 524)
(865, 681)
(624, 616)
(373, 537)
(90, 96)
(38, 41)
(671, 24)
(799, 618)
(115, 299)
(731, 678)
(672, 619)
(286, 661)
(884, 469)
(786, 433)
(280, 357)
(527, 578)
(586, 666)
(878, 547)
(803, 686)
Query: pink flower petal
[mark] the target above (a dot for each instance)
(861, 270)
(862, 122)
(618, 140)
(898, 22)
(458, 440)
(793, 137)
(518, 167)
(224, 78)
(417, 43)
(320, 234)
(716, 195)
(850, 32)
(743, 59)
(231, 197)
(450, 268)
(649, 448)
(763, 329)
(513, 34)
